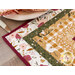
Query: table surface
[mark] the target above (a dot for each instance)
(7, 56)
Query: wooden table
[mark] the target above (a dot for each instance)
(7, 56)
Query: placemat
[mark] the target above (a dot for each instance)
(26, 52)
(55, 40)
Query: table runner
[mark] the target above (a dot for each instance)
(26, 52)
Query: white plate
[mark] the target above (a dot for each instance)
(24, 16)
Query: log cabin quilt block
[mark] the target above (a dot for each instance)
(55, 40)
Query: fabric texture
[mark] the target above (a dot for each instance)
(24, 50)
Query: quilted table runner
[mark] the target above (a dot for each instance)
(55, 40)
(45, 41)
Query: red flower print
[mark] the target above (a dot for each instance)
(23, 46)
(25, 26)
(11, 36)
(43, 65)
(27, 57)
(41, 24)
(17, 36)
(73, 38)
(55, 9)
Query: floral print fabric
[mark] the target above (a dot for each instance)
(26, 51)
